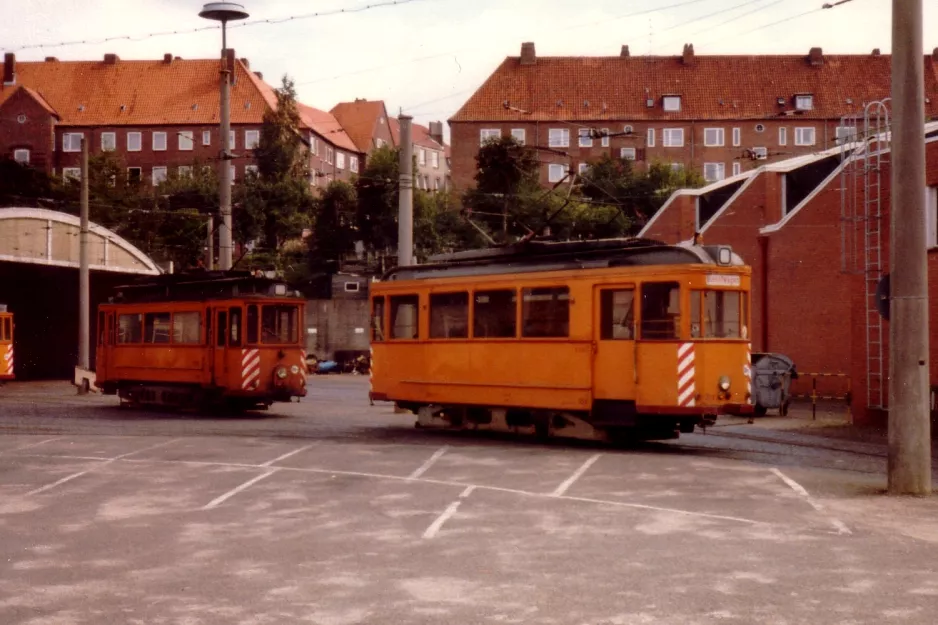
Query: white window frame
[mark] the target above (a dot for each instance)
(558, 138)
(842, 132)
(486, 134)
(582, 168)
(737, 168)
(556, 172)
(70, 143)
(717, 141)
(250, 169)
(353, 164)
(737, 137)
(671, 103)
(340, 160)
(232, 139)
(783, 136)
(628, 154)
(650, 142)
(585, 138)
(111, 144)
(233, 170)
(251, 139)
(628, 129)
(668, 139)
(139, 173)
(519, 135)
(184, 171)
(330, 155)
(380, 143)
(720, 171)
(605, 139)
(206, 137)
(422, 157)
(186, 141)
(130, 139)
(804, 102)
(155, 145)
(800, 133)
(73, 173)
(931, 215)
(435, 159)
(21, 156)
(761, 153)
(159, 169)
(676, 167)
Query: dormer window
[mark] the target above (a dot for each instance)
(804, 102)
(672, 103)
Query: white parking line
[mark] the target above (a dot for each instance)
(286, 455)
(576, 475)
(839, 525)
(31, 445)
(429, 463)
(69, 478)
(234, 491)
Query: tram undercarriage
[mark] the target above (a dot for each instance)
(185, 397)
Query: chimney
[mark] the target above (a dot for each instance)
(436, 132)
(934, 55)
(259, 75)
(111, 59)
(9, 69)
(246, 63)
(816, 57)
(528, 56)
(168, 58)
(52, 59)
(688, 55)
(230, 64)
(625, 52)
(876, 52)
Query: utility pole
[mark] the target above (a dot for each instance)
(210, 243)
(405, 220)
(84, 303)
(909, 427)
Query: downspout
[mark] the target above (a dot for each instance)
(764, 277)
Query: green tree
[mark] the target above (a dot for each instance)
(280, 152)
(335, 231)
(439, 226)
(378, 203)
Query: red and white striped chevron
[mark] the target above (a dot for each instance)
(747, 371)
(303, 366)
(686, 389)
(6, 363)
(250, 367)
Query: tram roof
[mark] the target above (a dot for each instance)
(198, 286)
(537, 256)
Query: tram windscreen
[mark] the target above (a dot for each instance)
(661, 310)
(279, 324)
(719, 314)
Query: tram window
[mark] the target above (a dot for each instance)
(234, 327)
(102, 330)
(617, 317)
(545, 312)
(252, 324)
(279, 324)
(449, 316)
(129, 328)
(661, 310)
(111, 332)
(722, 315)
(187, 328)
(156, 327)
(404, 309)
(377, 319)
(696, 330)
(495, 314)
(7, 331)
(222, 328)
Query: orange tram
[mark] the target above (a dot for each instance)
(598, 340)
(6, 344)
(219, 338)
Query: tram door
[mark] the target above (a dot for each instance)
(614, 342)
(219, 352)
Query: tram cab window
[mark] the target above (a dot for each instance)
(6, 331)
(661, 310)
(251, 323)
(234, 327)
(156, 327)
(495, 314)
(545, 312)
(187, 328)
(404, 313)
(377, 319)
(222, 328)
(279, 324)
(129, 328)
(617, 315)
(102, 329)
(449, 315)
(718, 314)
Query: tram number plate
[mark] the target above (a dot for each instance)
(715, 279)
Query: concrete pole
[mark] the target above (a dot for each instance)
(405, 220)
(909, 427)
(84, 299)
(210, 243)
(224, 174)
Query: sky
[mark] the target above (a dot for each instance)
(426, 57)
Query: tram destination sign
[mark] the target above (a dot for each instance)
(718, 279)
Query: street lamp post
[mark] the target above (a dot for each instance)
(224, 12)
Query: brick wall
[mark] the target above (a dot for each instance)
(676, 221)
(26, 125)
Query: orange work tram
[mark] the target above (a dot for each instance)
(224, 338)
(595, 340)
(6, 344)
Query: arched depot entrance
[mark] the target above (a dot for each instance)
(39, 284)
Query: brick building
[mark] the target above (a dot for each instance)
(366, 122)
(432, 173)
(721, 115)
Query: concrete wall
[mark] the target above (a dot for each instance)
(336, 325)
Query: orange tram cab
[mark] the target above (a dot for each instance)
(592, 339)
(6, 344)
(196, 341)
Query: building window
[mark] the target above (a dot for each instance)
(672, 103)
(586, 138)
(627, 153)
(737, 137)
(330, 155)
(783, 136)
(760, 127)
(737, 168)
(558, 137)
(250, 170)
(184, 171)
(251, 139)
(159, 175)
(713, 137)
(605, 140)
(232, 171)
(518, 135)
(714, 172)
(134, 141)
(760, 153)
(804, 102)
(185, 140)
(380, 143)
(583, 168)
(556, 172)
(489, 134)
(159, 141)
(353, 163)
(108, 141)
(651, 138)
(672, 137)
(134, 175)
(931, 215)
(436, 184)
(845, 133)
(71, 173)
(627, 130)
(804, 136)
(676, 167)
(206, 137)
(351, 287)
(71, 141)
(340, 160)
(422, 157)
(313, 146)
(21, 156)
(232, 139)
(435, 159)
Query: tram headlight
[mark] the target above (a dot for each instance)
(294, 369)
(282, 373)
(724, 383)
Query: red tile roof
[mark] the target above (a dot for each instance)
(419, 134)
(359, 119)
(711, 87)
(327, 126)
(41, 100)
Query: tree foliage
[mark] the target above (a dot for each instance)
(335, 232)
